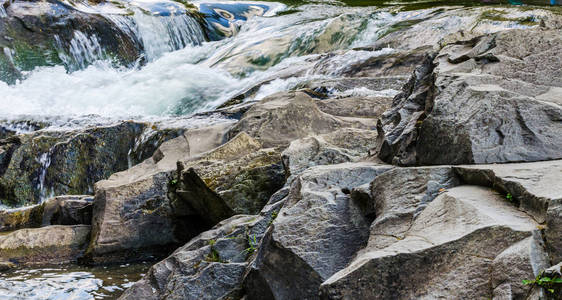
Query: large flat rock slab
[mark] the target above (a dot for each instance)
(55, 244)
(535, 187)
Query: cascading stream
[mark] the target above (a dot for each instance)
(197, 77)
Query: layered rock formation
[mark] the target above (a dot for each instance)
(319, 194)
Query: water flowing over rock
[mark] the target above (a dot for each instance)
(354, 154)
(45, 164)
(48, 33)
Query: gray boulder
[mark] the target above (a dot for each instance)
(316, 233)
(62, 210)
(283, 117)
(487, 100)
(342, 145)
(522, 261)
(399, 196)
(132, 215)
(235, 178)
(533, 187)
(68, 210)
(211, 265)
(450, 251)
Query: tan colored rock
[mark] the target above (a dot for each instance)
(235, 178)
(283, 117)
(132, 214)
(534, 187)
(55, 244)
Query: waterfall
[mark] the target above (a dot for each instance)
(9, 53)
(160, 34)
(81, 52)
(45, 163)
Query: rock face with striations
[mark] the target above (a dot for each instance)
(316, 233)
(463, 235)
(495, 98)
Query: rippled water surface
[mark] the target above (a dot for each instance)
(70, 282)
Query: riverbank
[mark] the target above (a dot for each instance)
(352, 153)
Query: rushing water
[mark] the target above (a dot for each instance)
(184, 74)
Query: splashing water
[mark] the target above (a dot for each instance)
(200, 75)
(158, 34)
(195, 78)
(83, 50)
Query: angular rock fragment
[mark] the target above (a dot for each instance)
(210, 266)
(235, 178)
(68, 210)
(342, 145)
(534, 187)
(281, 118)
(62, 210)
(316, 233)
(132, 215)
(400, 195)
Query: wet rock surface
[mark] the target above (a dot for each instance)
(40, 33)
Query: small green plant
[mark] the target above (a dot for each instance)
(213, 256)
(173, 182)
(273, 217)
(509, 197)
(253, 245)
(545, 282)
